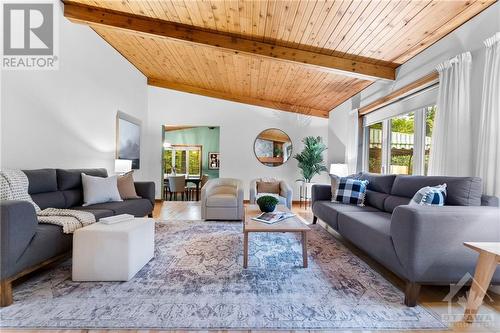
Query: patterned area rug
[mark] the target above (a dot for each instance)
(196, 281)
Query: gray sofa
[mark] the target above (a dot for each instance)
(421, 244)
(27, 245)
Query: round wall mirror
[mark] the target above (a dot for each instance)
(272, 147)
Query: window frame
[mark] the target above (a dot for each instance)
(187, 148)
(418, 146)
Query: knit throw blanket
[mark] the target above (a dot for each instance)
(14, 186)
(68, 219)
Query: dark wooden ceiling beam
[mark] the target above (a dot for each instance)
(240, 99)
(143, 25)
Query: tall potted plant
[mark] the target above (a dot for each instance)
(310, 161)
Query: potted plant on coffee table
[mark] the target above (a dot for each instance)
(267, 203)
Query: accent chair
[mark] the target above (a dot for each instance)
(222, 199)
(277, 188)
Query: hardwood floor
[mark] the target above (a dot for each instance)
(431, 296)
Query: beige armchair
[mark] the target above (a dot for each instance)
(284, 193)
(222, 199)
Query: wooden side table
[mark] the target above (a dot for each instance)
(489, 258)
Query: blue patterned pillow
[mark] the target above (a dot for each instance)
(430, 196)
(351, 191)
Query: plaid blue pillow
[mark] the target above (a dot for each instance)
(351, 191)
(430, 196)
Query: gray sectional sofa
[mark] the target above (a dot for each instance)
(27, 245)
(421, 244)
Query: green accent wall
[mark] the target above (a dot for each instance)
(208, 137)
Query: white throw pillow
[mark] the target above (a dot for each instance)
(99, 190)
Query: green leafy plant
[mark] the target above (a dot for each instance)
(267, 200)
(310, 159)
(267, 203)
(278, 152)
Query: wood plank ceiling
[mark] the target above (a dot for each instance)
(373, 37)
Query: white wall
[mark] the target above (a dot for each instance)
(338, 131)
(239, 125)
(66, 118)
(468, 37)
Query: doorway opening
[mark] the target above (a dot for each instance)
(190, 157)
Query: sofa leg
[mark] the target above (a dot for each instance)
(150, 214)
(412, 290)
(5, 293)
(315, 219)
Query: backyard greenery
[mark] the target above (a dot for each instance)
(401, 153)
(180, 161)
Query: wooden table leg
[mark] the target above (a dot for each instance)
(485, 268)
(245, 249)
(304, 248)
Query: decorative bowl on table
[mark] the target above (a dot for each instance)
(267, 203)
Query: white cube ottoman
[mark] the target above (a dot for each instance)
(112, 252)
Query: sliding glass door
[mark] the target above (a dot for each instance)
(375, 148)
(400, 144)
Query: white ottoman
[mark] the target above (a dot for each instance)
(112, 252)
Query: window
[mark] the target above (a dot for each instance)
(194, 162)
(167, 161)
(400, 144)
(375, 150)
(182, 160)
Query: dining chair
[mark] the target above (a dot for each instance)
(191, 188)
(177, 184)
(165, 189)
(204, 180)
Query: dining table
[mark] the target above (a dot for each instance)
(196, 180)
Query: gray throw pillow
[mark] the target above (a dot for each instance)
(99, 189)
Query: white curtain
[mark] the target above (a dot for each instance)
(352, 143)
(488, 152)
(451, 138)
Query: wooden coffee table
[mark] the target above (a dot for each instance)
(292, 224)
(489, 258)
